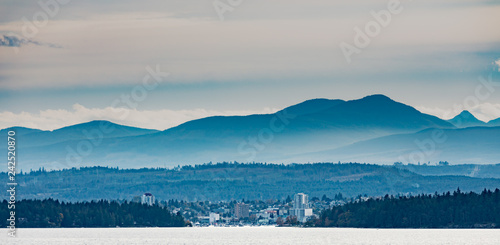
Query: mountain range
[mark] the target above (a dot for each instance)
(373, 129)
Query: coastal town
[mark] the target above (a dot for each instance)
(294, 210)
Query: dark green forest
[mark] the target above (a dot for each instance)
(51, 213)
(235, 181)
(449, 210)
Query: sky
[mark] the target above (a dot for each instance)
(156, 64)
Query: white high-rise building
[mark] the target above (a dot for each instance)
(301, 207)
(214, 218)
(148, 199)
(300, 201)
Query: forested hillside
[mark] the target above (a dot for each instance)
(52, 213)
(236, 181)
(449, 210)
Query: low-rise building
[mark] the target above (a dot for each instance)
(241, 211)
(214, 218)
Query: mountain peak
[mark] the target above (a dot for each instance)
(377, 97)
(466, 114)
(466, 119)
(312, 106)
(19, 130)
(377, 100)
(93, 123)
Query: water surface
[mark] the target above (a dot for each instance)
(251, 235)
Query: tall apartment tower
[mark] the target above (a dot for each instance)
(148, 199)
(300, 201)
(301, 207)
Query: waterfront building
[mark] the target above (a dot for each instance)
(241, 211)
(214, 218)
(301, 207)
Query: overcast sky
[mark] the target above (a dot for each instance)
(264, 55)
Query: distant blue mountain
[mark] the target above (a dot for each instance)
(93, 129)
(312, 106)
(313, 126)
(495, 122)
(19, 131)
(477, 145)
(376, 114)
(379, 112)
(466, 119)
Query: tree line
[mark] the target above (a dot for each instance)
(449, 210)
(235, 181)
(51, 213)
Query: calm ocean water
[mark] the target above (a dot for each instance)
(250, 235)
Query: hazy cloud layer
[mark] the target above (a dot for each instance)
(164, 119)
(158, 119)
(259, 40)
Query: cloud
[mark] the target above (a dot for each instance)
(258, 41)
(14, 41)
(152, 119)
(438, 112)
(487, 111)
(255, 9)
